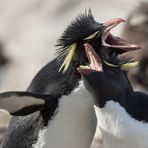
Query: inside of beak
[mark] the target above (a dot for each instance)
(110, 40)
(95, 63)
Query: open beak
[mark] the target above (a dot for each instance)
(109, 40)
(95, 63)
(114, 43)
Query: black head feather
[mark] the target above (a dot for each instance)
(84, 29)
(83, 26)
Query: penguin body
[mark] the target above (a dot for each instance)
(70, 128)
(122, 113)
(119, 129)
(66, 122)
(61, 85)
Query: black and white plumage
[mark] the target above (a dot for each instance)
(72, 123)
(122, 113)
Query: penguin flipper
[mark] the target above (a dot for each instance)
(21, 103)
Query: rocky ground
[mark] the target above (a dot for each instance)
(29, 30)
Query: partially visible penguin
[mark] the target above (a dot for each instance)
(136, 30)
(122, 113)
(72, 122)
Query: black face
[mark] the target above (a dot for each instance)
(108, 85)
(84, 29)
(104, 81)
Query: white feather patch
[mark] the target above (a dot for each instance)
(41, 139)
(73, 126)
(119, 129)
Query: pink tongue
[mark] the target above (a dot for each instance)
(95, 61)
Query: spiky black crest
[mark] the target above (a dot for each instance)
(81, 27)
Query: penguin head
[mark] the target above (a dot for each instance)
(84, 29)
(105, 80)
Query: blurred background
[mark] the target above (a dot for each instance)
(29, 30)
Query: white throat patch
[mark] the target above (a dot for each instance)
(119, 129)
(74, 124)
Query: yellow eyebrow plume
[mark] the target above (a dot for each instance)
(91, 36)
(70, 50)
(110, 64)
(124, 67)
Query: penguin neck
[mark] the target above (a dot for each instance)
(67, 81)
(74, 122)
(120, 123)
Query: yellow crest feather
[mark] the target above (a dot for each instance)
(110, 64)
(125, 66)
(91, 36)
(70, 53)
(129, 65)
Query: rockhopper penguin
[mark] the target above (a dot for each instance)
(72, 121)
(122, 113)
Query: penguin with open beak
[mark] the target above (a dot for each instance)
(122, 113)
(72, 122)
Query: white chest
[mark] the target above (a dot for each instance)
(74, 124)
(119, 129)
